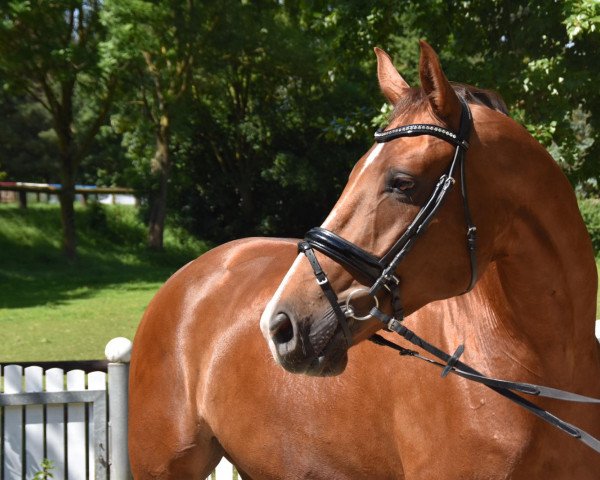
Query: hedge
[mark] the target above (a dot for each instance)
(590, 210)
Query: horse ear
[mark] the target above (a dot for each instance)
(391, 83)
(434, 83)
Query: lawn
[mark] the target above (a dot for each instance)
(51, 309)
(54, 310)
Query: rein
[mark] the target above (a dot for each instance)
(452, 364)
(380, 273)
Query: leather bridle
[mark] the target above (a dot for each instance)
(380, 273)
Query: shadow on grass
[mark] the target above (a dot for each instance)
(111, 253)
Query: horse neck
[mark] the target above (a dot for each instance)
(542, 285)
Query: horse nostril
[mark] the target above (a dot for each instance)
(281, 328)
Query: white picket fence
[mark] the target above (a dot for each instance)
(62, 417)
(36, 427)
(224, 471)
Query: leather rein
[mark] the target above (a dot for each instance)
(380, 273)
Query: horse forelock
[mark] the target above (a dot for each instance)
(416, 98)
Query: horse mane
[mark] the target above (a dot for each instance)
(471, 94)
(480, 96)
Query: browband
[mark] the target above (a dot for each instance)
(382, 136)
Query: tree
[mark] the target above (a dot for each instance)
(158, 41)
(50, 51)
(28, 147)
(283, 95)
(245, 117)
(538, 55)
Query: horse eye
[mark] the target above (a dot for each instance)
(401, 184)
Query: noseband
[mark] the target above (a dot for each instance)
(381, 272)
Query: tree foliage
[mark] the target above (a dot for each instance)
(49, 52)
(158, 41)
(540, 57)
(276, 103)
(246, 117)
(27, 140)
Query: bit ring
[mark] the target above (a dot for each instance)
(349, 310)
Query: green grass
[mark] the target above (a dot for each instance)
(54, 310)
(51, 309)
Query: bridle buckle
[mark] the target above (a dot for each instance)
(391, 281)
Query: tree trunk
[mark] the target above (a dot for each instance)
(68, 167)
(158, 214)
(22, 199)
(62, 116)
(161, 168)
(67, 214)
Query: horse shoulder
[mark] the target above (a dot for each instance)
(208, 279)
(182, 334)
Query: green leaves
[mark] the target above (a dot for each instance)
(266, 105)
(583, 17)
(538, 56)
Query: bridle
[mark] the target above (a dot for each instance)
(380, 273)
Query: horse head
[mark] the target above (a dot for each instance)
(406, 197)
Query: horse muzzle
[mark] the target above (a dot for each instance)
(311, 347)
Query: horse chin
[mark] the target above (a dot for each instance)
(332, 360)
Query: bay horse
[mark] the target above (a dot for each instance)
(205, 384)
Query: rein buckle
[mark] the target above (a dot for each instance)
(394, 325)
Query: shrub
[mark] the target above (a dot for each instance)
(590, 211)
(46, 472)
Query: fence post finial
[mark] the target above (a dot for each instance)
(118, 350)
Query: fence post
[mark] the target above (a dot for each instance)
(118, 353)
